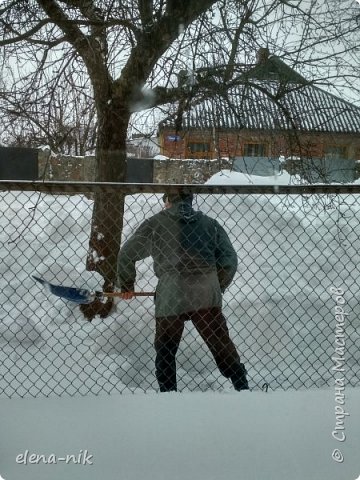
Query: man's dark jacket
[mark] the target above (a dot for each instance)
(193, 259)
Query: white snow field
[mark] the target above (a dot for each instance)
(280, 309)
(180, 436)
(291, 249)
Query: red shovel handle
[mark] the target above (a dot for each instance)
(136, 294)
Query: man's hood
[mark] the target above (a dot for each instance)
(184, 212)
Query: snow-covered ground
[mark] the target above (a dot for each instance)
(228, 177)
(280, 309)
(188, 436)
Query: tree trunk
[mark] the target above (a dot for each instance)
(108, 211)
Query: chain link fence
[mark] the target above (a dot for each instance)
(299, 268)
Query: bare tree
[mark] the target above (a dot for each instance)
(141, 54)
(65, 121)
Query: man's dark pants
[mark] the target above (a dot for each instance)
(211, 325)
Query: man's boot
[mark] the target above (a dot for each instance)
(239, 379)
(166, 369)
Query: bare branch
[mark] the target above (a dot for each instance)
(22, 36)
(156, 40)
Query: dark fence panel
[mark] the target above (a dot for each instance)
(139, 170)
(18, 163)
(293, 308)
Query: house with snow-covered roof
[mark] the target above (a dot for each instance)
(274, 112)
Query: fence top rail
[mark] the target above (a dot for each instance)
(132, 188)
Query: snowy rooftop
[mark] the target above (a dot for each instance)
(275, 97)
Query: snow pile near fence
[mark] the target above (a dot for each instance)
(228, 177)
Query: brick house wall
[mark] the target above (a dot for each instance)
(214, 144)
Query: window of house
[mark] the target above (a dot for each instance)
(198, 147)
(254, 150)
(335, 152)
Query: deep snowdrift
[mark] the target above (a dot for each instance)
(292, 250)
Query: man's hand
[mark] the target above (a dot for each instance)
(127, 295)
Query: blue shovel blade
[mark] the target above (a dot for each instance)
(76, 295)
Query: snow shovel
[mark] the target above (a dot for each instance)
(82, 296)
